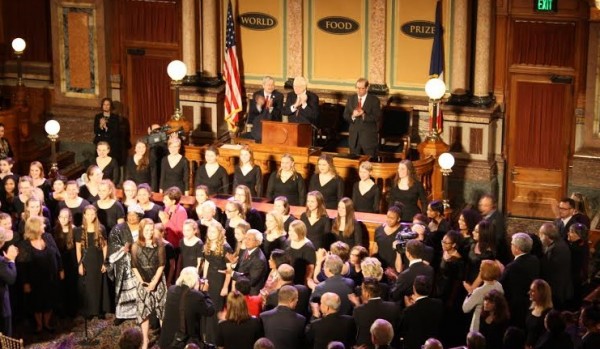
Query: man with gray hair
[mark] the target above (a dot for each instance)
(335, 283)
(332, 326)
(252, 263)
(382, 334)
(266, 104)
(517, 277)
(302, 106)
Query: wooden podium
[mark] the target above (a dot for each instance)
(286, 133)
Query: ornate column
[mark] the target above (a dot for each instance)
(294, 40)
(377, 23)
(460, 59)
(482, 88)
(189, 39)
(210, 40)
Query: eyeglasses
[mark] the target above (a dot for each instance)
(563, 208)
(231, 211)
(447, 242)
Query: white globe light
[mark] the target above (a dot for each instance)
(52, 127)
(18, 45)
(176, 70)
(435, 88)
(446, 161)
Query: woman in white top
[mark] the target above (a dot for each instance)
(490, 273)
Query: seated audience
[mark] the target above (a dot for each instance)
(330, 325)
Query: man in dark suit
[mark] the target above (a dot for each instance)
(331, 325)
(566, 211)
(301, 106)
(382, 334)
(8, 276)
(363, 113)
(415, 251)
(372, 309)
(266, 104)
(252, 263)
(489, 212)
(556, 265)
(286, 277)
(422, 316)
(518, 276)
(282, 325)
(335, 283)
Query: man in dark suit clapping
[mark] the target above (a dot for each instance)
(282, 325)
(252, 263)
(415, 251)
(422, 316)
(266, 104)
(363, 113)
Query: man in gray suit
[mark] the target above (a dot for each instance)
(363, 113)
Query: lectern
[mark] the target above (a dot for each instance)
(286, 133)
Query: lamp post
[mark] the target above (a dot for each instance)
(435, 89)
(446, 161)
(18, 46)
(52, 128)
(176, 70)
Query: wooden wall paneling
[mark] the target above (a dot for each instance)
(30, 20)
(592, 108)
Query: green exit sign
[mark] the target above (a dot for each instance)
(545, 5)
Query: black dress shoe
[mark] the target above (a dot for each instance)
(118, 322)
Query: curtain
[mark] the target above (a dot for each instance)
(546, 44)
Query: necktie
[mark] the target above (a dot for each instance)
(360, 102)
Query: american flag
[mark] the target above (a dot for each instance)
(231, 74)
(436, 65)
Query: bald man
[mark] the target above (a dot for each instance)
(331, 326)
(302, 106)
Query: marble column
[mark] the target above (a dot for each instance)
(294, 40)
(210, 38)
(481, 91)
(377, 28)
(460, 59)
(189, 37)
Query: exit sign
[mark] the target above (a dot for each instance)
(545, 5)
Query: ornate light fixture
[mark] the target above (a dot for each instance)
(435, 89)
(52, 128)
(446, 162)
(18, 46)
(176, 70)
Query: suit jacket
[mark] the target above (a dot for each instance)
(556, 270)
(303, 305)
(364, 131)
(256, 116)
(365, 314)
(284, 327)
(339, 285)
(253, 266)
(8, 276)
(404, 283)
(308, 115)
(516, 280)
(333, 327)
(421, 321)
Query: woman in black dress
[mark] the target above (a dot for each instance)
(170, 256)
(385, 235)
(301, 252)
(408, 190)
(239, 330)
(317, 221)
(494, 319)
(65, 241)
(484, 247)
(366, 193)
(540, 295)
(191, 246)
(42, 269)
(58, 194)
(139, 167)
(327, 182)
(345, 226)
(202, 196)
(174, 169)
(107, 164)
(74, 202)
(247, 173)
(211, 174)
(252, 216)
(129, 194)
(580, 257)
(235, 215)
(282, 206)
(36, 172)
(91, 179)
(467, 221)
(287, 182)
(110, 211)
(275, 236)
(215, 250)
(92, 249)
(33, 208)
(107, 128)
(151, 210)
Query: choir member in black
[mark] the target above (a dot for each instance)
(540, 295)
(6, 165)
(170, 262)
(36, 172)
(438, 227)
(238, 330)
(110, 211)
(5, 148)
(42, 269)
(235, 215)
(107, 164)
(58, 194)
(91, 180)
(8, 196)
(494, 319)
(8, 276)
(408, 190)
(215, 250)
(301, 252)
(484, 247)
(282, 206)
(252, 216)
(357, 256)
(139, 167)
(202, 196)
(74, 202)
(385, 235)
(451, 273)
(129, 194)
(151, 210)
(148, 262)
(467, 221)
(65, 241)
(92, 254)
(366, 193)
(107, 128)
(191, 246)
(208, 215)
(327, 182)
(275, 236)
(211, 174)
(248, 173)
(33, 208)
(25, 193)
(577, 238)
(240, 233)
(345, 226)
(317, 221)
(174, 168)
(287, 182)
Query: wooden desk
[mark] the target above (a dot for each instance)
(286, 134)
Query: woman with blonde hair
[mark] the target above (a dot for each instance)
(540, 295)
(91, 181)
(36, 172)
(302, 253)
(107, 164)
(366, 193)
(248, 173)
(129, 194)
(287, 182)
(242, 194)
(33, 208)
(110, 211)
(174, 170)
(317, 221)
(190, 246)
(408, 190)
(282, 206)
(327, 182)
(238, 330)
(234, 210)
(275, 235)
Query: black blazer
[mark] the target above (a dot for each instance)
(516, 280)
(8, 276)
(365, 314)
(253, 266)
(404, 283)
(556, 270)
(284, 327)
(308, 115)
(333, 327)
(256, 117)
(364, 131)
(339, 285)
(303, 305)
(421, 321)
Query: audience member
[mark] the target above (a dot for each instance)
(432, 343)
(282, 325)
(490, 273)
(489, 212)
(422, 317)
(555, 336)
(331, 325)
(416, 267)
(263, 343)
(252, 263)
(286, 277)
(131, 338)
(556, 265)
(590, 321)
(334, 283)
(540, 294)
(494, 319)
(382, 334)
(238, 330)
(8, 276)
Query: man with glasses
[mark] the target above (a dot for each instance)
(566, 210)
